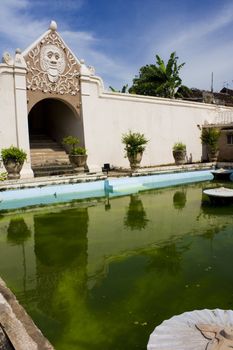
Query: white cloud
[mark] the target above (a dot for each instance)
(202, 29)
(197, 44)
(205, 46)
(21, 29)
(16, 25)
(83, 45)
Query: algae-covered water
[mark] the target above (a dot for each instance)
(102, 274)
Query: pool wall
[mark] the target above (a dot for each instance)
(111, 187)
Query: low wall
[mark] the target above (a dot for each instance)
(108, 115)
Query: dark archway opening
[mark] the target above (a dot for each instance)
(55, 119)
(50, 120)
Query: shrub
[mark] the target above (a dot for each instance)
(79, 151)
(73, 142)
(134, 143)
(13, 153)
(210, 137)
(179, 146)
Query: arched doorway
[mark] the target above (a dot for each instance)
(50, 120)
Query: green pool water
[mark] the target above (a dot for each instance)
(102, 274)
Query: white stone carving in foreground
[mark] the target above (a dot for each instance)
(196, 330)
(52, 67)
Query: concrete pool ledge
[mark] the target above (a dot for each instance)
(49, 180)
(17, 324)
(44, 193)
(82, 178)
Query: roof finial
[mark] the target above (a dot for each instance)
(53, 26)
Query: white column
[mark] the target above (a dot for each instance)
(21, 113)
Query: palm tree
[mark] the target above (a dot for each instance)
(160, 79)
(124, 89)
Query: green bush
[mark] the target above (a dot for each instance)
(179, 146)
(13, 153)
(210, 137)
(134, 143)
(79, 151)
(73, 142)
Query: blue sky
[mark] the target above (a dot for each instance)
(117, 37)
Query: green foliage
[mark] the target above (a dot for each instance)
(160, 79)
(79, 151)
(210, 137)
(179, 146)
(73, 142)
(3, 176)
(13, 153)
(134, 142)
(124, 89)
(70, 141)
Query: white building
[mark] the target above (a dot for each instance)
(47, 93)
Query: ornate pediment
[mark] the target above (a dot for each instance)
(51, 66)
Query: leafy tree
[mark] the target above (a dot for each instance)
(160, 79)
(124, 89)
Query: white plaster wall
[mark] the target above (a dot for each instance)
(107, 116)
(7, 108)
(13, 113)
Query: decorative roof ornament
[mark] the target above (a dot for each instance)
(19, 59)
(51, 66)
(53, 26)
(7, 59)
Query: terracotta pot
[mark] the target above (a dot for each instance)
(212, 154)
(180, 157)
(135, 160)
(13, 169)
(78, 161)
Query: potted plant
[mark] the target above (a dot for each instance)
(134, 147)
(13, 159)
(77, 155)
(179, 153)
(210, 137)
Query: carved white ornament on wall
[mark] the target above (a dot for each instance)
(52, 61)
(52, 67)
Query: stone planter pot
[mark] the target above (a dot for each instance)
(180, 157)
(212, 154)
(13, 169)
(135, 160)
(78, 161)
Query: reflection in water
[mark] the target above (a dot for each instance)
(61, 252)
(17, 234)
(212, 231)
(167, 258)
(107, 203)
(179, 199)
(177, 264)
(135, 218)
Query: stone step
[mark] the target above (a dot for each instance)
(39, 136)
(47, 150)
(49, 170)
(47, 144)
(50, 156)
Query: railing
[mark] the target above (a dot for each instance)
(224, 117)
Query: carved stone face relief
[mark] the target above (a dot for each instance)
(220, 338)
(52, 61)
(52, 68)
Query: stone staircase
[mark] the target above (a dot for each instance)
(48, 157)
